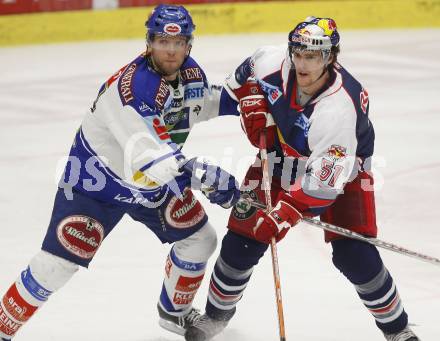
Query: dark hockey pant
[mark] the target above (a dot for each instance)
(359, 262)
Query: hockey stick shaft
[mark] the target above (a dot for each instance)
(273, 243)
(377, 242)
(350, 234)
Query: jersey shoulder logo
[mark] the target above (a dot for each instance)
(125, 84)
(191, 73)
(272, 91)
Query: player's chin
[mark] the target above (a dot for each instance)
(170, 68)
(303, 81)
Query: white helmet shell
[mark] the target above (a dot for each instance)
(314, 34)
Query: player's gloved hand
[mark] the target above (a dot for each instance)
(277, 222)
(255, 115)
(216, 184)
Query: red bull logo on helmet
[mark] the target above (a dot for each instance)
(328, 25)
(304, 31)
(331, 24)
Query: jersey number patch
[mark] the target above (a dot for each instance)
(329, 169)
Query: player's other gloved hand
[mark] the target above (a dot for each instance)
(255, 115)
(216, 184)
(277, 222)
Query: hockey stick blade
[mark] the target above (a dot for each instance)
(350, 234)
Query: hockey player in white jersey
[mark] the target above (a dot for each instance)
(126, 159)
(321, 141)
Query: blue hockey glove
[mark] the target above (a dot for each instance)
(216, 184)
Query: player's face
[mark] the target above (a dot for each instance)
(309, 66)
(168, 54)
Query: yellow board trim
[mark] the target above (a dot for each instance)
(224, 18)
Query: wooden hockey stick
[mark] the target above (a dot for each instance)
(350, 234)
(273, 243)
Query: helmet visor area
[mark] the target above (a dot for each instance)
(308, 60)
(164, 42)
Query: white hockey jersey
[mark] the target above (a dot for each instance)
(320, 145)
(128, 145)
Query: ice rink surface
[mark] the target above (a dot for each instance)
(44, 92)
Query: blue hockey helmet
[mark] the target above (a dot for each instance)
(170, 20)
(315, 34)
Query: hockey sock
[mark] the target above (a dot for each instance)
(225, 289)
(184, 270)
(361, 264)
(20, 302)
(45, 274)
(182, 280)
(381, 298)
(231, 274)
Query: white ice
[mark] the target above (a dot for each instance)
(44, 92)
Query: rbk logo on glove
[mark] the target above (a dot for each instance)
(254, 112)
(248, 103)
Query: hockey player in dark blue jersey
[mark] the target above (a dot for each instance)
(126, 159)
(320, 140)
